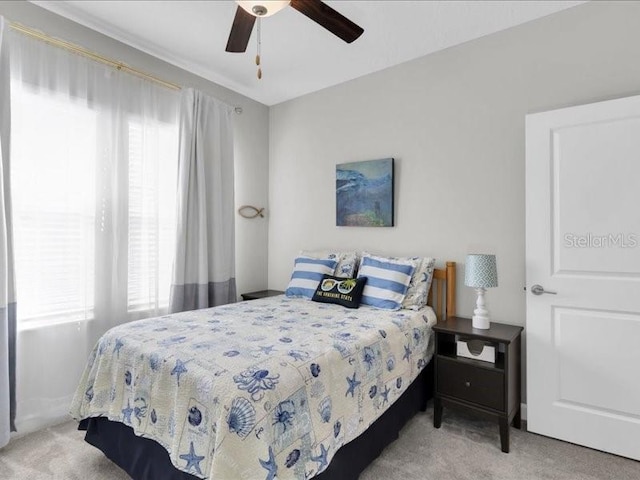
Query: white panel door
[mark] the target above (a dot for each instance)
(583, 242)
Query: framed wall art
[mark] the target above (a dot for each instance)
(364, 193)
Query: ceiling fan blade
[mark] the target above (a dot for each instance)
(240, 31)
(327, 17)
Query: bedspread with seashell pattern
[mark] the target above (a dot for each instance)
(261, 389)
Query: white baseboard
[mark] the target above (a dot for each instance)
(34, 424)
(41, 413)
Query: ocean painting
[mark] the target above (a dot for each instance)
(364, 194)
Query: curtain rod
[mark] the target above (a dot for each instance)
(56, 42)
(89, 54)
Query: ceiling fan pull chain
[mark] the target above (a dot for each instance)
(259, 31)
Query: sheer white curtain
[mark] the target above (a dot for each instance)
(7, 292)
(94, 159)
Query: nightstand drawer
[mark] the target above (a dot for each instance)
(473, 384)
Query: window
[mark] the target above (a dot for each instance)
(53, 188)
(152, 177)
(62, 182)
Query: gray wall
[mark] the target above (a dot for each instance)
(454, 122)
(251, 129)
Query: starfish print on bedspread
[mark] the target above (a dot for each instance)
(193, 460)
(353, 383)
(270, 465)
(126, 413)
(179, 369)
(321, 459)
(407, 353)
(385, 394)
(266, 349)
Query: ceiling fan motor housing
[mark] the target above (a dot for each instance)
(259, 10)
(263, 8)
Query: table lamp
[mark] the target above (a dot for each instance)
(480, 273)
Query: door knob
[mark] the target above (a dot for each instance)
(539, 290)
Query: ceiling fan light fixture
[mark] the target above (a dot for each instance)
(263, 8)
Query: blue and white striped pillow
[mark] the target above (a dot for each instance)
(387, 282)
(306, 276)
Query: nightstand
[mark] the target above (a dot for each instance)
(261, 294)
(488, 389)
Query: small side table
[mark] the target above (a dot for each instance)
(489, 389)
(261, 294)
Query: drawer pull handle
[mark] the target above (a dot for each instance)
(468, 384)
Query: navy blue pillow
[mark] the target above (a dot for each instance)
(342, 291)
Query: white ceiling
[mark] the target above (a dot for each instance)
(298, 56)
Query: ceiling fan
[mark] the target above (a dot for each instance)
(316, 10)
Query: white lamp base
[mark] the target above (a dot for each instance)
(480, 317)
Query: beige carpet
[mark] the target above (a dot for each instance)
(464, 448)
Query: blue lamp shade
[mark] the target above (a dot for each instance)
(480, 271)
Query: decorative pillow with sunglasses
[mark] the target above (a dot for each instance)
(342, 291)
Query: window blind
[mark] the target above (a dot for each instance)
(53, 167)
(152, 186)
(55, 149)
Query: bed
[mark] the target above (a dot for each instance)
(274, 388)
